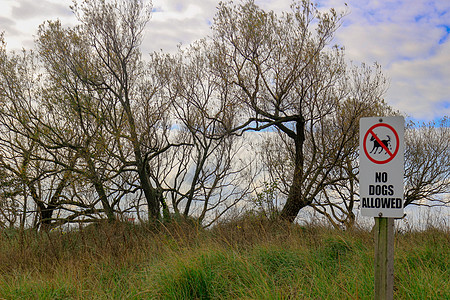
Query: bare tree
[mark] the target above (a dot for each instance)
(427, 163)
(21, 155)
(112, 66)
(426, 172)
(204, 177)
(338, 201)
(291, 79)
(11, 191)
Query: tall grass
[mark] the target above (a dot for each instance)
(243, 259)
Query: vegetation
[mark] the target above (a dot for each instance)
(118, 171)
(91, 129)
(249, 258)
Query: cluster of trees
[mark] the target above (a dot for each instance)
(89, 129)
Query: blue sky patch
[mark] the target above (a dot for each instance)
(446, 33)
(157, 9)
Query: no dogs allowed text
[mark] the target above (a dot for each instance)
(381, 166)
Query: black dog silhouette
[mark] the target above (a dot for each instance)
(377, 145)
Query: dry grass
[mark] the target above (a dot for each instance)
(249, 258)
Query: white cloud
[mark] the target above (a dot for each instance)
(388, 43)
(23, 17)
(30, 9)
(410, 39)
(7, 24)
(421, 87)
(174, 22)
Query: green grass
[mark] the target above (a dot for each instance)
(245, 259)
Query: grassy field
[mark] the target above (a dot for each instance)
(246, 259)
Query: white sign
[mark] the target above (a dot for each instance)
(381, 166)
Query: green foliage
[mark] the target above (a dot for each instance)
(424, 268)
(244, 259)
(332, 250)
(268, 200)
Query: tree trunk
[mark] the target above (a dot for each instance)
(296, 199)
(99, 188)
(103, 199)
(46, 216)
(151, 194)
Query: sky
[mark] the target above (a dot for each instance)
(410, 39)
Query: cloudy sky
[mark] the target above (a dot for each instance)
(408, 38)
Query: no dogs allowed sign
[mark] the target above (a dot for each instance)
(381, 166)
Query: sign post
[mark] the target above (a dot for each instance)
(384, 258)
(381, 190)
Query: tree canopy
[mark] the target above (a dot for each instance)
(265, 107)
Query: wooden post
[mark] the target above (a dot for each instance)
(384, 258)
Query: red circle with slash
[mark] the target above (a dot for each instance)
(377, 139)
